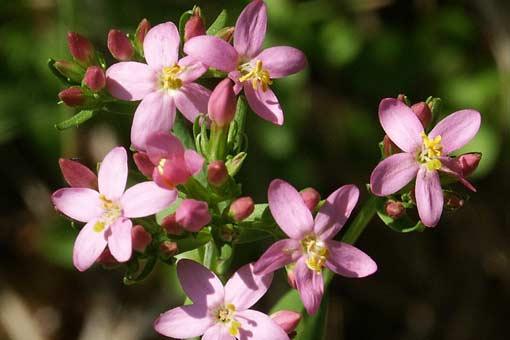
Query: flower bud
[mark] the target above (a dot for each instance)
(389, 148)
(106, 259)
(70, 70)
(81, 48)
(222, 103)
(171, 226)
(311, 197)
(287, 320)
(119, 45)
(94, 78)
(144, 164)
(422, 111)
(73, 96)
(141, 31)
(226, 33)
(193, 215)
(291, 277)
(241, 208)
(168, 248)
(468, 162)
(394, 209)
(234, 164)
(217, 173)
(453, 201)
(77, 175)
(194, 26)
(140, 238)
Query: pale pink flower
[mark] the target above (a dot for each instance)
(252, 68)
(422, 156)
(164, 83)
(107, 213)
(220, 312)
(310, 244)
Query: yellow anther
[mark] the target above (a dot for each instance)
(111, 210)
(170, 77)
(234, 328)
(161, 166)
(317, 253)
(258, 75)
(99, 227)
(431, 151)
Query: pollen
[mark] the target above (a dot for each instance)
(111, 212)
(431, 151)
(316, 251)
(170, 77)
(99, 227)
(225, 314)
(258, 75)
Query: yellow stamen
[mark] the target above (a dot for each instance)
(316, 251)
(234, 328)
(99, 227)
(161, 166)
(258, 75)
(111, 212)
(170, 77)
(431, 151)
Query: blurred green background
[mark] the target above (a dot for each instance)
(451, 282)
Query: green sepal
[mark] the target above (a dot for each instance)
(182, 22)
(60, 76)
(76, 120)
(235, 163)
(133, 275)
(219, 23)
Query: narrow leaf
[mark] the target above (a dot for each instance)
(79, 118)
(219, 23)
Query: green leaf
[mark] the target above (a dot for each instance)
(194, 241)
(79, 118)
(181, 131)
(219, 23)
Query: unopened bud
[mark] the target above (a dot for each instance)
(81, 48)
(77, 175)
(287, 320)
(194, 26)
(235, 164)
(311, 197)
(140, 238)
(168, 248)
(143, 163)
(119, 45)
(171, 226)
(468, 162)
(217, 173)
(141, 31)
(403, 98)
(422, 111)
(222, 103)
(106, 259)
(193, 215)
(94, 78)
(453, 201)
(70, 70)
(241, 208)
(226, 33)
(73, 96)
(394, 209)
(291, 276)
(389, 148)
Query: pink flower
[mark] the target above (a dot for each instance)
(193, 215)
(162, 84)
(107, 212)
(423, 155)
(251, 68)
(310, 243)
(218, 312)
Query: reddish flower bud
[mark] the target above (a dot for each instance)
(287, 320)
(140, 238)
(311, 197)
(94, 78)
(422, 111)
(171, 226)
(77, 175)
(193, 215)
(73, 96)
(394, 209)
(452, 201)
(226, 33)
(119, 45)
(222, 103)
(468, 162)
(168, 248)
(389, 148)
(241, 208)
(106, 259)
(81, 48)
(144, 164)
(69, 69)
(141, 31)
(194, 26)
(217, 173)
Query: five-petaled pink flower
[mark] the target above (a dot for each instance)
(311, 243)
(162, 84)
(108, 211)
(218, 312)
(251, 68)
(423, 155)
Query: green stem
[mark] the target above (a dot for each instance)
(218, 142)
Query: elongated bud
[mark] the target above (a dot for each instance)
(94, 78)
(77, 175)
(81, 48)
(193, 215)
(70, 70)
(394, 209)
(453, 201)
(144, 164)
(389, 148)
(141, 31)
(287, 320)
(226, 33)
(235, 164)
(194, 26)
(168, 248)
(73, 96)
(422, 111)
(311, 197)
(171, 226)
(468, 162)
(217, 173)
(222, 103)
(140, 238)
(241, 208)
(119, 45)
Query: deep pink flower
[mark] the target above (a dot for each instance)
(310, 243)
(162, 84)
(193, 215)
(252, 69)
(108, 211)
(217, 312)
(422, 155)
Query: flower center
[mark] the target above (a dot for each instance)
(317, 253)
(169, 77)
(431, 150)
(225, 315)
(258, 75)
(111, 212)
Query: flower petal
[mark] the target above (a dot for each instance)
(113, 173)
(282, 61)
(77, 175)
(184, 322)
(264, 103)
(347, 260)
(88, 246)
(289, 210)
(217, 332)
(400, 124)
(213, 52)
(451, 167)
(192, 69)
(457, 129)
(256, 325)
(156, 113)
(393, 173)
(130, 80)
(245, 287)
(281, 253)
(194, 161)
(250, 29)
(200, 284)
(335, 211)
(310, 286)
(429, 197)
(161, 46)
(80, 204)
(119, 239)
(163, 145)
(191, 100)
(145, 199)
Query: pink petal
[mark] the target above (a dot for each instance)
(347, 260)
(194, 161)
(130, 80)
(213, 52)
(119, 239)
(184, 322)
(289, 210)
(429, 197)
(264, 103)
(161, 46)
(310, 286)
(393, 173)
(145, 199)
(77, 175)
(400, 124)
(452, 167)
(191, 100)
(163, 145)
(256, 325)
(192, 69)
(156, 113)
(250, 29)
(282, 61)
(217, 332)
(81, 204)
(200, 284)
(336, 210)
(175, 172)
(112, 174)
(280, 254)
(143, 163)
(245, 287)
(457, 129)
(88, 246)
